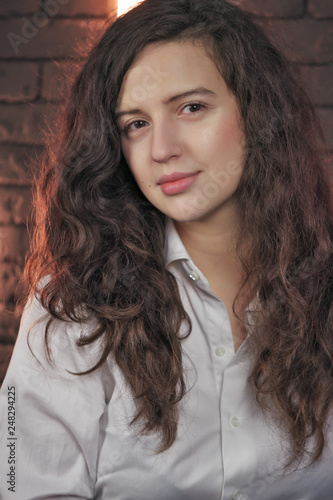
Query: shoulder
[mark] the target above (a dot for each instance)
(60, 353)
(47, 379)
(58, 412)
(57, 361)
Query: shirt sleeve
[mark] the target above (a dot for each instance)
(50, 419)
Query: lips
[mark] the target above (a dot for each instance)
(177, 182)
(175, 176)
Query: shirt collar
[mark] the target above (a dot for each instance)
(173, 246)
(174, 250)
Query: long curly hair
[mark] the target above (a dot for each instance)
(100, 242)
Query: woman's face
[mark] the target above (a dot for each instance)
(180, 131)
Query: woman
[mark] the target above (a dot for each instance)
(177, 343)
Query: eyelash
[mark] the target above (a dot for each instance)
(201, 106)
(126, 129)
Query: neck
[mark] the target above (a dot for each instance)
(212, 247)
(211, 239)
(211, 244)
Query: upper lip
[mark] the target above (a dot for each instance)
(175, 176)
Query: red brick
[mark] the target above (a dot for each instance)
(10, 7)
(10, 276)
(17, 163)
(326, 117)
(23, 123)
(320, 8)
(14, 244)
(18, 81)
(318, 81)
(274, 8)
(5, 355)
(305, 40)
(15, 203)
(55, 78)
(79, 7)
(58, 38)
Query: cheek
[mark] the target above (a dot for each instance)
(230, 136)
(224, 147)
(223, 138)
(129, 157)
(126, 150)
(136, 158)
(140, 174)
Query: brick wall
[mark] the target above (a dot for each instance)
(303, 29)
(38, 38)
(37, 41)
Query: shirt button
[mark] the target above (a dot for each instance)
(236, 495)
(235, 422)
(193, 276)
(220, 351)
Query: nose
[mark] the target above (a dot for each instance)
(165, 142)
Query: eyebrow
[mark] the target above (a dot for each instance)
(188, 93)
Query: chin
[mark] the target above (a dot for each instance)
(186, 212)
(187, 217)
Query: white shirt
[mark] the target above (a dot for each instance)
(73, 438)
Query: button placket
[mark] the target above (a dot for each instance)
(236, 495)
(220, 351)
(235, 422)
(193, 275)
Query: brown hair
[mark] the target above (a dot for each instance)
(101, 242)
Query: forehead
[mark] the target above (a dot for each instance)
(166, 68)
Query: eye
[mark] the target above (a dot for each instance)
(135, 125)
(193, 107)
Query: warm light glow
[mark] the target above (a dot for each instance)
(124, 5)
